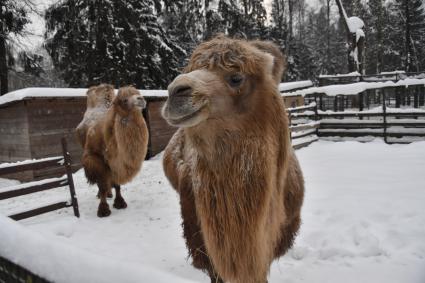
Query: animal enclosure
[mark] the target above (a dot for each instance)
(32, 121)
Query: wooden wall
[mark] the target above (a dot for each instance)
(49, 121)
(14, 142)
(159, 131)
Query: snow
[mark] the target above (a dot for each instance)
(294, 85)
(354, 24)
(390, 130)
(375, 110)
(29, 161)
(363, 221)
(35, 183)
(352, 74)
(393, 73)
(356, 88)
(38, 92)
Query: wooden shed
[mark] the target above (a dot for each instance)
(33, 121)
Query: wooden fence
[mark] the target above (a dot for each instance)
(304, 132)
(391, 124)
(11, 273)
(43, 185)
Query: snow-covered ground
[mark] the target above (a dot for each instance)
(363, 221)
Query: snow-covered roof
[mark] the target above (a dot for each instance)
(39, 92)
(294, 85)
(356, 88)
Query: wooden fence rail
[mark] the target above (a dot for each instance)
(43, 185)
(385, 122)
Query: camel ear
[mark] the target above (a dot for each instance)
(279, 61)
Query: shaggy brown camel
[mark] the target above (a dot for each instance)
(99, 100)
(116, 146)
(231, 161)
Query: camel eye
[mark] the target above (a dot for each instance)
(235, 80)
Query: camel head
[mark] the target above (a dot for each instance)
(101, 95)
(224, 77)
(128, 100)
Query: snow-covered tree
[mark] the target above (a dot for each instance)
(13, 18)
(410, 24)
(117, 42)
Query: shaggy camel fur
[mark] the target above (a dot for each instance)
(231, 161)
(99, 99)
(116, 146)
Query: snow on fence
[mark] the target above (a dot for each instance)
(42, 185)
(303, 133)
(394, 125)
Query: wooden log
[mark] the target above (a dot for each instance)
(36, 164)
(34, 188)
(40, 210)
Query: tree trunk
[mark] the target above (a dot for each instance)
(328, 33)
(407, 39)
(291, 16)
(4, 83)
(352, 43)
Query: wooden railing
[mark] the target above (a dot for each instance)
(388, 123)
(43, 185)
(305, 133)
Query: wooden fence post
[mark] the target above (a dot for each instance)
(384, 113)
(67, 164)
(316, 118)
(397, 97)
(421, 95)
(416, 98)
(361, 106)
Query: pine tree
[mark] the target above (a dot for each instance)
(411, 23)
(13, 18)
(117, 42)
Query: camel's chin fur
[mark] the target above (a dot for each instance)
(188, 120)
(240, 185)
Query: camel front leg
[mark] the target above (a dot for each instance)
(119, 202)
(103, 209)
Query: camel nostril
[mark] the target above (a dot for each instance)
(183, 90)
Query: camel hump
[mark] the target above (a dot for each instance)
(100, 96)
(99, 100)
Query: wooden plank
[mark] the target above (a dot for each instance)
(67, 165)
(34, 188)
(304, 144)
(368, 133)
(308, 133)
(37, 164)
(299, 109)
(363, 114)
(302, 127)
(40, 210)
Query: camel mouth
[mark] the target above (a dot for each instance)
(183, 120)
